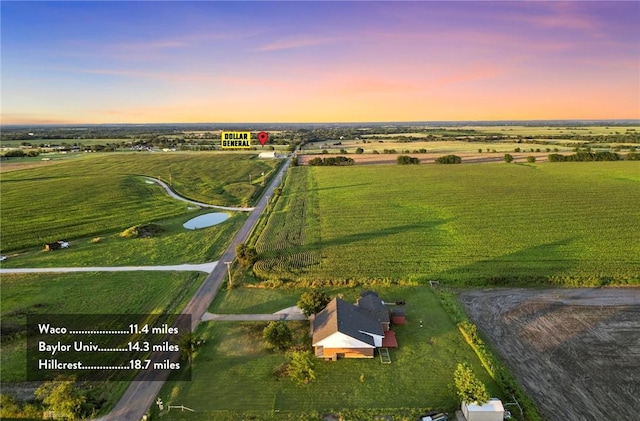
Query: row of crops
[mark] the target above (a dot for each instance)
(284, 243)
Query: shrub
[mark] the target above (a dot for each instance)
(449, 159)
(301, 367)
(582, 156)
(142, 231)
(407, 160)
(312, 302)
(359, 150)
(332, 161)
(531, 159)
(468, 387)
(508, 158)
(278, 335)
(633, 156)
(15, 153)
(246, 255)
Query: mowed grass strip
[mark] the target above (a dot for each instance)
(573, 224)
(235, 372)
(88, 197)
(83, 293)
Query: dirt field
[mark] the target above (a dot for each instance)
(575, 351)
(428, 158)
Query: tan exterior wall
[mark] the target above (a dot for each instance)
(332, 353)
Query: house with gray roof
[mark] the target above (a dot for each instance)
(346, 330)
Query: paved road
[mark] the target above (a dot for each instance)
(290, 313)
(208, 317)
(142, 394)
(200, 267)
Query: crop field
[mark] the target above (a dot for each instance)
(55, 142)
(554, 130)
(558, 224)
(233, 373)
(437, 146)
(106, 293)
(103, 194)
(575, 351)
(292, 225)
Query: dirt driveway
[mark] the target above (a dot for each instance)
(575, 351)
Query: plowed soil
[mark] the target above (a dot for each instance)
(575, 351)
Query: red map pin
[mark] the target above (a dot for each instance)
(263, 137)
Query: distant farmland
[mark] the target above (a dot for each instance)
(565, 224)
(102, 194)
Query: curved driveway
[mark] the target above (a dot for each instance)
(202, 267)
(173, 194)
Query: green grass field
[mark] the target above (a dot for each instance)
(104, 193)
(175, 245)
(84, 293)
(566, 224)
(234, 372)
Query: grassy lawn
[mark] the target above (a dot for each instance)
(175, 245)
(234, 371)
(252, 301)
(104, 193)
(84, 293)
(569, 224)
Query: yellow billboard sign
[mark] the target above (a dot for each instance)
(235, 140)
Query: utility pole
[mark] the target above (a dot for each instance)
(229, 270)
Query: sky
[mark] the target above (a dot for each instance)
(184, 62)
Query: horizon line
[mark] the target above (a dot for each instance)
(403, 122)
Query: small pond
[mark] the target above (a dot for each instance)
(206, 220)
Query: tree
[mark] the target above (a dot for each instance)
(62, 397)
(301, 368)
(278, 335)
(359, 150)
(508, 158)
(407, 160)
(468, 387)
(188, 343)
(531, 159)
(312, 302)
(449, 159)
(246, 255)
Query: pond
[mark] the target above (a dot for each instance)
(206, 220)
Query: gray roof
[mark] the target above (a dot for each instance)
(373, 305)
(347, 318)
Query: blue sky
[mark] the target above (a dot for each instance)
(145, 62)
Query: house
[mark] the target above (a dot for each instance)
(371, 304)
(346, 330)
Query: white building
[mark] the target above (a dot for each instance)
(490, 411)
